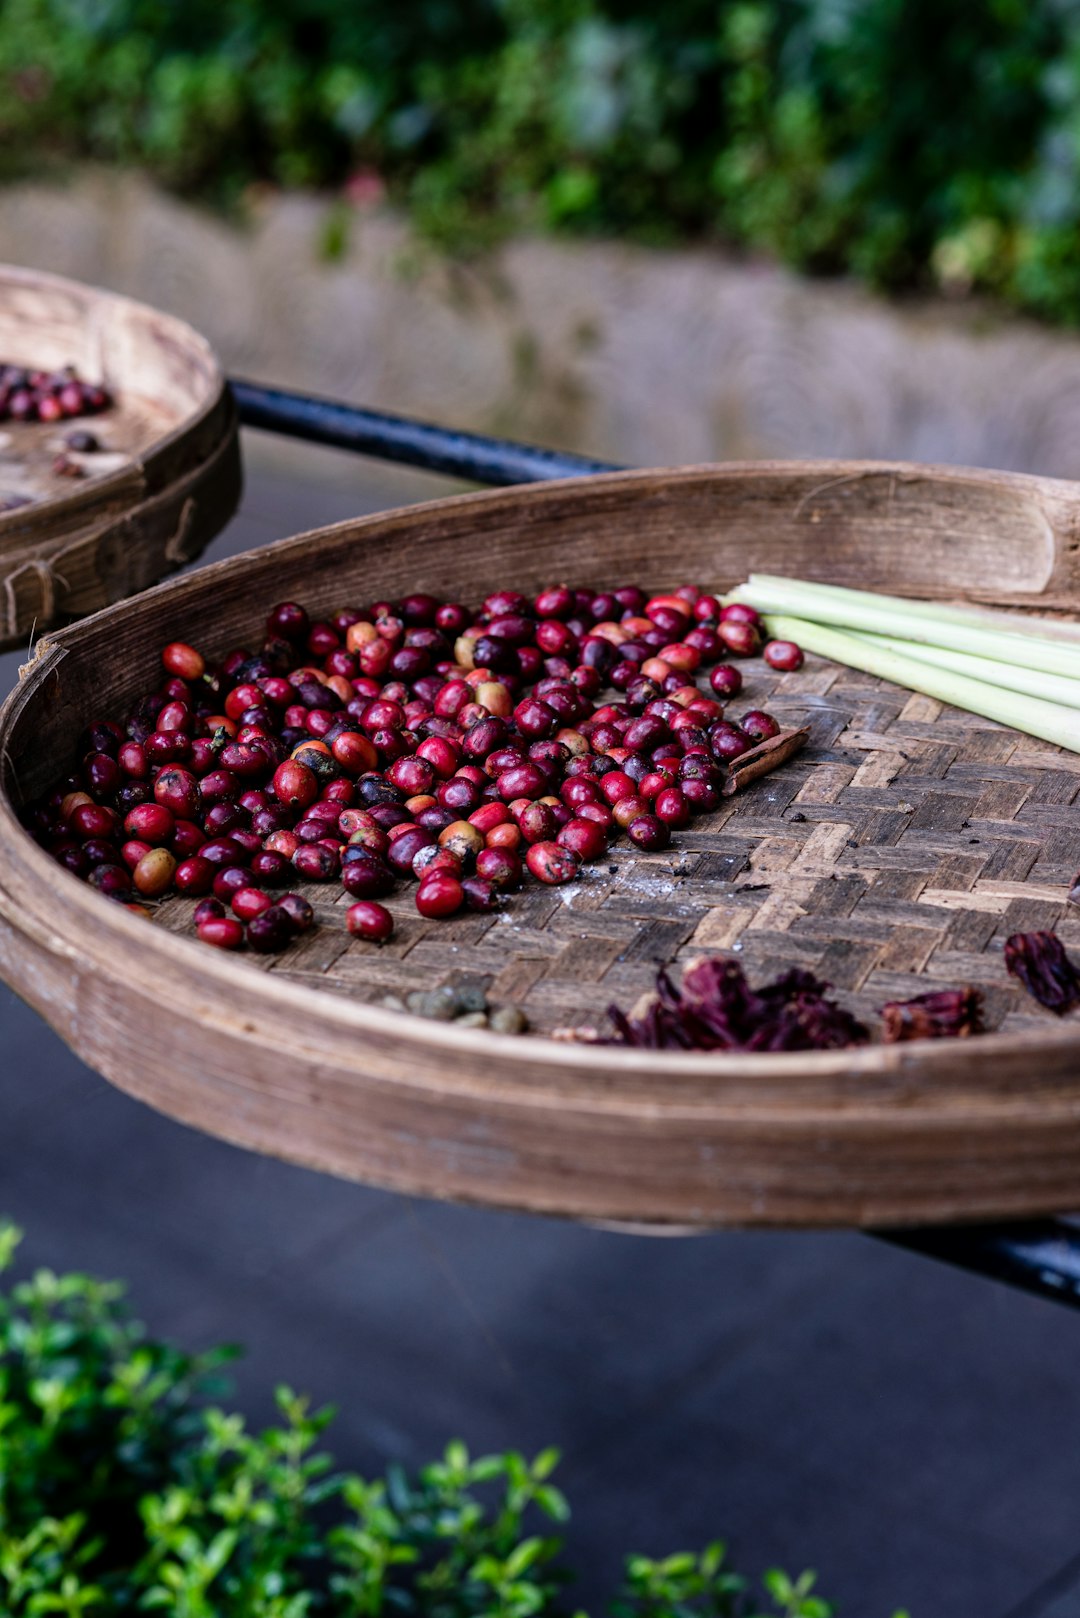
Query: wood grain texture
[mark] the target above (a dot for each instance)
(893, 854)
(169, 475)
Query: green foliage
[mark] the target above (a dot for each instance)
(123, 1491)
(909, 142)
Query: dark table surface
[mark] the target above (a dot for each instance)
(817, 1399)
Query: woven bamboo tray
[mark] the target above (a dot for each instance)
(169, 477)
(893, 855)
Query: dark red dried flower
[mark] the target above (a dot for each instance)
(942, 1014)
(1040, 962)
(716, 1010)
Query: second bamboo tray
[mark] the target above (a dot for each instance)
(893, 855)
(168, 479)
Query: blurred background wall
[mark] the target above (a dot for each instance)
(636, 354)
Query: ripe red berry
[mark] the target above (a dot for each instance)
(194, 876)
(649, 832)
(295, 785)
(739, 612)
(584, 838)
(784, 656)
(370, 921)
(671, 807)
(183, 660)
(270, 932)
(439, 895)
(224, 932)
(247, 903)
(725, 680)
(742, 639)
(299, 912)
(552, 864)
(759, 726)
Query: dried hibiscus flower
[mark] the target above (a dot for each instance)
(943, 1014)
(1040, 962)
(716, 1010)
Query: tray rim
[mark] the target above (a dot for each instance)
(834, 472)
(1013, 1137)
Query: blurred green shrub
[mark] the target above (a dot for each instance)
(910, 142)
(123, 1491)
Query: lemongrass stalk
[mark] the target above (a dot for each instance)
(1050, 721)
(1030, 682)
(947, 612)
(906, 623)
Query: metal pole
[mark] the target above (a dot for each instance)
(1041, 1256)
(398, 438)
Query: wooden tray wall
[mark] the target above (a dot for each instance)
(893, 856)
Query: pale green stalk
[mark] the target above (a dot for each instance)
(1002, 619)
(1030, 682)
(905, 621)
(1050, 721)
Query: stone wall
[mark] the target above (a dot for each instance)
(631, 354)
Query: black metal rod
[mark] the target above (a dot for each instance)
(1041, 1256)
(398, 438)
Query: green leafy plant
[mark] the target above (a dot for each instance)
(124, 1490)
(906, 142)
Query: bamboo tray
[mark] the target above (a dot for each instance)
(895, 854)
(169, 477)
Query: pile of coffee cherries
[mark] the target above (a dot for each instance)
(27, 395)
(412, 740)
